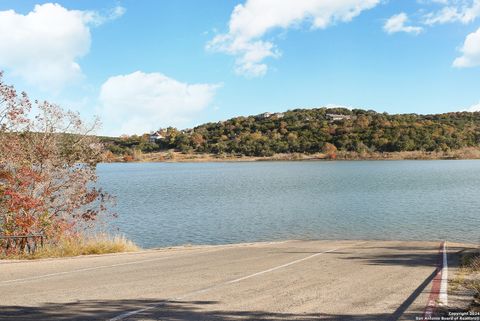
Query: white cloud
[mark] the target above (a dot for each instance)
(251, 21)
(44, 45)
(97, 18)
(473, 108)
(429, 2)
(464, 11)
(470, 51)
(140, 102)
(339, 106)
(397, 22)
(439, 1)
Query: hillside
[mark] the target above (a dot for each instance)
(309, 131)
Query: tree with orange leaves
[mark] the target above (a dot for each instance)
(47, 168)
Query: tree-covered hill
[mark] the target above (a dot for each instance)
(316, 130)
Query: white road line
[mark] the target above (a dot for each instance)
(116, 265)
(279, 267)
(128, 314)
(100, 267)
(443, 297)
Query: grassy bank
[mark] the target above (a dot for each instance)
(471, 266)
(75, 246)
(464, 289)
(174, 156)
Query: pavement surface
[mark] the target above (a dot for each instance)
(292, 280)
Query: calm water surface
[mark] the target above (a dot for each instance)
(162, 204)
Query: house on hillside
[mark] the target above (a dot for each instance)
(269, 115)
(265, 115)
(337, 117)
(156, 136)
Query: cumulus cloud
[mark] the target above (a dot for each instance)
(464, 11)
(251, 21)
(44, 45)
(470, 51)
(397, 23)
(140, 102)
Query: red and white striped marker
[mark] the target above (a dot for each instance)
(439, 293)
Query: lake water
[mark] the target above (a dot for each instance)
(163, 204)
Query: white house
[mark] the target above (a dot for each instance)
(335, 117)
(156, 136)
(265, 115)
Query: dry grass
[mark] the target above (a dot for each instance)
(173, 156)
(471, 263)
(465, 286)
(75, 246)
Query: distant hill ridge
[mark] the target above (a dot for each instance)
(317, 130)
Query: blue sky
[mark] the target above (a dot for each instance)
(141, 65)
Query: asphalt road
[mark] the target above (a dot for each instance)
(293, 280)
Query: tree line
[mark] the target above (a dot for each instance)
(316, 130)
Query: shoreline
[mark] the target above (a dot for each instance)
(178, 157)
(196, 247)
(173, 248)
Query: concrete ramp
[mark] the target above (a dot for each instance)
(292, 280)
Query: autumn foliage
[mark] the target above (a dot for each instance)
(47, 169)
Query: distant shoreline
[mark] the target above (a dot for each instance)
(178, 157)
